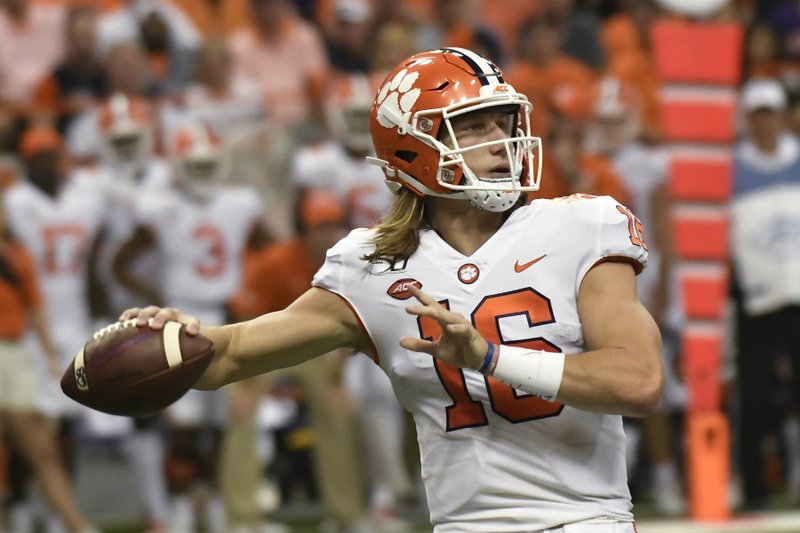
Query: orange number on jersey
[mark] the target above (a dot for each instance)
(64, 248)
(213, 264)
(635, 227)
(466, 412)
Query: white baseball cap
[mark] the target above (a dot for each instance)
(762, 94)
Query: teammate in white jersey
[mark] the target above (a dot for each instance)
(200, 230)
(541, 297)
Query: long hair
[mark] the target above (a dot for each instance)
(397, 233)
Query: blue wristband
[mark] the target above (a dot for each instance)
(488, 359)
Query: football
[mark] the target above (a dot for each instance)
(133, 370)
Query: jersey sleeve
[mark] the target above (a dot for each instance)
(330, 276)
(609, 231)
(343, 267)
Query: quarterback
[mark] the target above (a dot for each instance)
(511, 332)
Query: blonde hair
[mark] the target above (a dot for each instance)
(397, 233)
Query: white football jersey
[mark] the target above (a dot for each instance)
(495, 458)
(357, 183)
(121, 196)
(201, 244)
(59, 233)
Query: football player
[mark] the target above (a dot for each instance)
(200, 228)
(57, 219)
(511, 332)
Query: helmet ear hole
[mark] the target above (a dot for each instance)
(406, 155)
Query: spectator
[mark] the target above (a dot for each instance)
(764, 236)
(33, 44)
(348, 36)
(285, 58)
(543, 73)
(79, 82)
(456, 23)
(124, 24)
(579, 30)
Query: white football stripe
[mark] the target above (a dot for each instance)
(172, 344)
(79, 368)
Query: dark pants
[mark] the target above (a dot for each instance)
(768, 389)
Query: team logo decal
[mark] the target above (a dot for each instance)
(396, 98)
(468, 273)
(399, 289)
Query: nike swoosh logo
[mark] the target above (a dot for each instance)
(520, 268)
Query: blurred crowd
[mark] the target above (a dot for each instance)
(203, 154)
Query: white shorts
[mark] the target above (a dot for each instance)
(18, 390)
(594, 527)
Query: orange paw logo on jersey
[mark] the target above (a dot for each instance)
(468, 273)
(399, 290)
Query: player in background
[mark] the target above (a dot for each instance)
(643, 167)
(22, 308)
(275, 277)
(58, 219)
(200, 228)
(340, 165)
(126, 168)
(526, 341)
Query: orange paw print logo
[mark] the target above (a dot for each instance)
(396, 99)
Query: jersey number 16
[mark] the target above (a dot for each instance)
(465, 412)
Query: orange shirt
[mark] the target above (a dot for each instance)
(17, 300)
(216, 18)
(543, 85)
(274, 277)
(289, 70)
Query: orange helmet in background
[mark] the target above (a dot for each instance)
(348, 109)
(198, 156)
(616, 110)
(127, 128)
(412, 113)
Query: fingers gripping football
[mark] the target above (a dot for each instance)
(157, 317)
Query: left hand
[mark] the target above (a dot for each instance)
(460, 344)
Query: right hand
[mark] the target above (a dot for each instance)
(160, 316)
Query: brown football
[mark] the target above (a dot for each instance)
(133, 371)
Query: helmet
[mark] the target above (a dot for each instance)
(616, 110)
(348, 109)
(199, 159)
(413, 110)
(126, 125)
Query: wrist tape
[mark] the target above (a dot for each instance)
(532, 371)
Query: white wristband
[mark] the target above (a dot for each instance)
(533, 371)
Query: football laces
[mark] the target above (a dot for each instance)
(116, 326)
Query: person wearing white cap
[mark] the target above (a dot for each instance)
(765, 239)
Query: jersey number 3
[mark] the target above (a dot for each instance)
(465, 412)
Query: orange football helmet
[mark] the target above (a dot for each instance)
(413, 110)
(127, 128)
(199, 158)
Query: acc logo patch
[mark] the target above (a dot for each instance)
(399, 289)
